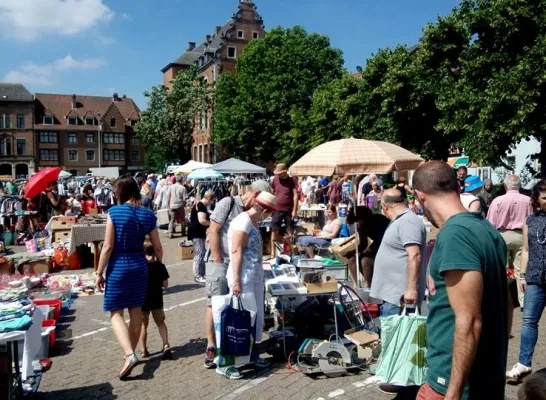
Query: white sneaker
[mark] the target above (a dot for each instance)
(517, 372)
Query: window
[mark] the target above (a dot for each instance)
(72, 155)
(114, 138)
(90, 121)
(5, 146)
(135, 156)
(72, 121)
(21, 147)
(134, 122)
(241, 34)
(72, 138)
(135, 140)
(20, 121)
(231, 52)
(114, 155)
(90, 155)
(112, 122)
(49, 155)
(89, 138)
(5, 121)
(255, 35)
(47, 120)
(48, 137)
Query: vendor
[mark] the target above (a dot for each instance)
(371, 227)
(324, 238)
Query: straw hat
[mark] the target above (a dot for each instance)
(280, 169)
(267, 201)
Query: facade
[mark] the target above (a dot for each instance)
(16, 131)
(217, 54)
(80, 132)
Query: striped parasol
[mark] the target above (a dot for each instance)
(355, 156)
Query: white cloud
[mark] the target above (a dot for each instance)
(27, 20)
(46, 74)
(106, 41)
(126, 17)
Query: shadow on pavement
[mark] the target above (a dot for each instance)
(193, 348)
(181, 288)
(150, 366)
(100, 391)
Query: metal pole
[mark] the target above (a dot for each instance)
(100, 141)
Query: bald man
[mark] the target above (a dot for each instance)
(398, 268)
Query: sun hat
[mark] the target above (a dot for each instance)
(280, 168)
(260, 186)
(472, 182)
(267, 201)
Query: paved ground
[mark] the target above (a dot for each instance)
(88, 359)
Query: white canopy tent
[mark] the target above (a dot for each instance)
(235, 166)
(189, 167)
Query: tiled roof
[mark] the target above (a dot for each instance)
(356, 75)
(14, 92)
(60, 106)
(216, 43)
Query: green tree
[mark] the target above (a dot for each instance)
(167, 124)
(260, 113)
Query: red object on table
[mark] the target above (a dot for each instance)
(40, 181)
(88, 205)
(55, 304)
(52, 335)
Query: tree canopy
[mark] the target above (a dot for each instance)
(166, 125)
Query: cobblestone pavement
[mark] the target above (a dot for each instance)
(88, 358)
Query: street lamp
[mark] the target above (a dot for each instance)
(100, 140)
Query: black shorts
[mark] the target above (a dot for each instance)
(372, 250)
(280, 218)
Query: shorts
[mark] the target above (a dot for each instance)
(280, 218)
(158, 316)
(371, 251)
(216, 280)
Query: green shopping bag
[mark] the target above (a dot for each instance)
(403, 349)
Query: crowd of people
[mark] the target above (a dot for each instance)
(461, 272)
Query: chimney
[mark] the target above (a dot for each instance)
(191, 46)
(74, 102)
(115, 97)
(218, 29)
(207, 39)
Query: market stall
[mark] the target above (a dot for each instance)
(233, 166)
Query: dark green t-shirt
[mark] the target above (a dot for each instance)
(467, 241)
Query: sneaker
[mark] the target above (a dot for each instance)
(517, 372)
(209, 357)
(199, 279)
(229, 372)
(261, 363)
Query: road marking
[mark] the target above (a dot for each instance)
(94, 332)
(236, 393)
(336, 393)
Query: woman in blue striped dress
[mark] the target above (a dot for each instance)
(123, 258)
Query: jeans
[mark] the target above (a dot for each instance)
(389, 309)
(534, 302)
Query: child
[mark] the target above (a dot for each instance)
(158, 278)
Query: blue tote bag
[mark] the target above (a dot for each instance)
(236, 324)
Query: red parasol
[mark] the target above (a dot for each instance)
(40, 181)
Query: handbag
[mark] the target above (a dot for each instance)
(236, 326)
(403, 349)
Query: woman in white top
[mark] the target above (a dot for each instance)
(324, 238)
(472, 186)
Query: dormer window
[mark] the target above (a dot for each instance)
(72, 121)
(90, 121)
(240, 34)
(47, 120)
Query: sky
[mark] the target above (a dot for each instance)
(98, 47)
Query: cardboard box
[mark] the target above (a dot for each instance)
(306, 228)
(62, 223)
(186, 253)
(322, 287)
(36, 267)
(61, 235)
(7, 268)
(366, 342)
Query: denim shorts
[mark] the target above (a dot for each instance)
(216, 280)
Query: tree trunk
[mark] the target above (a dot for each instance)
(542, 156)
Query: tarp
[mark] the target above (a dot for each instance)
(235, 166)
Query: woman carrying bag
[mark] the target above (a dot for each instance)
(197, 233)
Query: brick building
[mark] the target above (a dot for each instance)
(16, 131)
(214, 56)
(79, 132)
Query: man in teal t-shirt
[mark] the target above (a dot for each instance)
(467, 326)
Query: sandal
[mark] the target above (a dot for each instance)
(144, 354)
(133, 361)
(167, 353)
(229, 372)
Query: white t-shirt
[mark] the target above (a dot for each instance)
(467, 199)
(252, 270)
